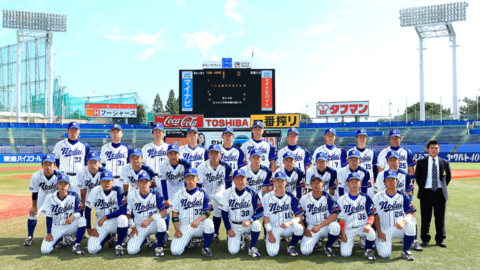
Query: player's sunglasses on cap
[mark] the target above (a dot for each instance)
(392, 154)
(158, 126)
(173, 147)
(214, 147)
(280, 175)
(389, 174)
(316, 176)
(362, 132)
(192, 128)
(63, 177)
(227, 129)
(353, 175)
(353, 153)
(289, 154)
(330, 130)
(191, 171)
(93, 156)
(255, 151)
(137, 152)
(106, 175)
(321, 155)
(116, 126)
(73, 124)
(257, 124)
(292, 130)
(144, 175)
(49, 157)
(395, 133)
(239, 172)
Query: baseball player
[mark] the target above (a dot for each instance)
(195, 154)
(258, 176)
(230, 153)
(70, 155)
(241, 210)
(114, 155)
(295, 175)
(146, 207)
(42, 184)
(329, 175)
(190, 211)
(64, 217)
(337, 158)
(131, 171)
(268, 152)
(321, 212)
(368, 156)
(111, 214)
(394, 218)
(354, 166)
(279, 206)
(89, 176)
(302, 158)
(155, 153)
(356, 217)
(214, 178)
(172, 172)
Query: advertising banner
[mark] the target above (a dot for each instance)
(267, 100)
(349, 108)
(187, 91)
(180, 121)
(276, 120)
(111, 110)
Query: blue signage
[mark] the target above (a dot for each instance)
(187, 91)
(226, 62)
(453, 157)
(12, 158)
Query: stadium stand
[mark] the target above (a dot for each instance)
(450, 135)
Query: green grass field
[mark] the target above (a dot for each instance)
(461, 224)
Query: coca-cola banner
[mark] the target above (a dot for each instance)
(180, 121)
(226, 122)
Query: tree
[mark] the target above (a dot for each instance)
(172, 103)
(305, 118)
(158, 105)
(432, 112)
(470, 108)
(141, 114)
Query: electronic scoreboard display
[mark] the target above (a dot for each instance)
(227, 92)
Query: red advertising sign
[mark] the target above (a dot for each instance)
(110, 106)
(180, 121)
(267, 97)
(349, 108)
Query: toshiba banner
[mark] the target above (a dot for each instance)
(349, 108)
(180, 121)
(226, 122)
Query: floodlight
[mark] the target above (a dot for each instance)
(34, 21)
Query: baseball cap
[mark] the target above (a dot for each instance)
(48, 157)
(362, 132)
(255, 151)
(392, 154)
(144, 175)
(116, 126)
(280, 175)
(353, 153)
(214, 147)
(314, 176)
(158, 126)
(173, 147)
(389, 174)
(288, 154)
(73, 124)
(93, 155)
(227, 129)
(106, 175)
(192, 128)
(191, 171)
(258, 123)
(239, 172)
(395, 132)
(293, 130)
(330, 130)
(63, 177)
(137, 152)
(353, 175)
(321, 155)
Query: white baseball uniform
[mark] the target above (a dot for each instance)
(172, 177)
(234, 157)
(114, 157)
(130, 177)
(405, 183)
(368, 160)
(295, 180)
(88, 181)
(407, 159)
(257, 180)
(337, 157)
(302, 158)
(267, 149)
(195, 156)
(365, 180)
(153, 156)
(329, 177)
(214, 182)
(43, 186)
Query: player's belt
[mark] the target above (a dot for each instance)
(236, 223)
(116, 177)
(71, 174)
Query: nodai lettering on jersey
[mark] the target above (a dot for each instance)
(275, 208)
(110, 155)
(386, 207)
(215, 178)
(57, 209)
(102, 204)
(189, 157)
(177, 176)
(140, 208)
(314, 210)
(234, 205)
(67, 152)
(46, 187)
(350, 210)
(190, 204)
(152, 153)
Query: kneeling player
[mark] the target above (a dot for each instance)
(111, 214)
(394, 218)
(241, 210)
(279, 222)
(63, 217)
(146, 205)
(356, 218)
(190, 212)
(321, 217)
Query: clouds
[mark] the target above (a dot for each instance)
(229, 6)
(203, 40)
(141, 38)
(320, 29)
(269, 56)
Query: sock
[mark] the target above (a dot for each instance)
(416, 231)
(369, 244)
(295, 239)
(255, 236)
(160, 239)
(106, 239)
(31, 224)
(121, 234)
(331, 240)
(80, 234)
(207, 239)
(168, 221)
(407, 242)
(216, 224)
(58, 241)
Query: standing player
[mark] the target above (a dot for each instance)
(354, 167)
(268, 152)
(64, 217)
(302, 158)
(279, 206)
(42, 184)
(258, 176)
(356, 218)
(295, 175)
(131, 171)
(337, 158)
(329, 175)
(195, 154)
(190, 210)
(111, 214)
(146, 207)
(368, 156)
(172, 172)
(114, 155)
(89, 176)
(230, 153)
(70, 155)
(155, 153)
(394, 218)
(321, 212)
(241, 211)
(214, 178)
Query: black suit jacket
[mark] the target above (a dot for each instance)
(421, 173)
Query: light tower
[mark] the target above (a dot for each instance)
(433, 22)
(35, 27)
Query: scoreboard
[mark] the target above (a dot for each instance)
(227, 92)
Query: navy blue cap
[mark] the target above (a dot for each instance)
(292, 130)
(395, 132)
(63, 177)
(392, 154)
(353, 175)
(239, 172)
(281, 175)
(48, 157)
(255, 151)
(389, 174)
(316, 175)
(321, 155)
(137, 152)
(191, 171)
(215, 147)
(73, 124)
(289, 154)
(353, 153)
(362, 132)
(192, 128)
(116, 126)
(158, 126)
(144, 175)
(93, 155)
(106, 175)
(227, 129)
(173, 147)
(330, 130)
(258, 123)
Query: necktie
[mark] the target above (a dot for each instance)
(434, 176)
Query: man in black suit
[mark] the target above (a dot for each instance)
(433, 175)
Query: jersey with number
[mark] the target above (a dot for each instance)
(71, 157)
(329, 177)
(172, 177)
(243, 207)
(280, 210)
(392, 209)
(337, 157)
(115, 158)
(365, 179)
(407, 159)
(295, 180)
(257, 180)
(234, 157)
(195, 156)
(404, 184)
(88, 181)
(317, 210)
(130, 176)
(60, 209)
(302, 158)
(143, 207)
(105, 203)
(154, 155)
(268, 152)
(42, 185)
(190, 204)
(355, 210)
(214, 181)
(368, 160)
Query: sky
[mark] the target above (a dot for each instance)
(321, 50)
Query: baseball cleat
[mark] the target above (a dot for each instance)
(191, 244)
(167, 237)
(206, 252)
(148, 243)
(165, 241)
(77, 249)
(362, 243)
(328, 252)
(159, 252)
(416, 246)
(318, 245)
(369, 255)
(248, 236)
(119, 250)
(291, 250)
(336, 244)
(253, 251)
(197, 242)
(29, 241)
(215, 239)
(112, 242)
(407, 255)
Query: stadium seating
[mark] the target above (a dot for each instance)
(450, 135)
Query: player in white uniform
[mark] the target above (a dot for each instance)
(230, 153)
(302, 158)
(329, 175)
(194, 153)
(258, 176)
(146, 207)
(337, 157)
(368, 156)
(295, 175)
(110, 212)
(64, 217)
(241, 210)
(356, 218)
(268, 152)
(155, 153)
(354, 166)
(214, 178)
(114, 155)
(43, 183)
(190, 211)
(89, 176)
(172, 172)
(131, 171)
(279, 206)
(321, 212)
(70, 155)
(394, 218)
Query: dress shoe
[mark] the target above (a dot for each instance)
(424, 244)
(442, 244)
